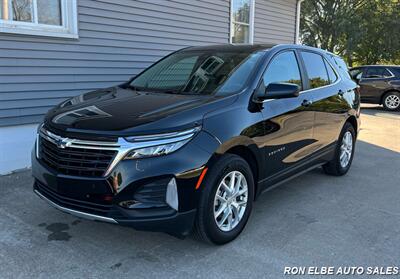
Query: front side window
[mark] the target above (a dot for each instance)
(316, 70)
(39, 17)
(242, 21)
(199, 72)
(283, 69)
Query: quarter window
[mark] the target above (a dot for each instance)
(343, 69)
(316, 71)
(39, 17)
(242, 21)
(283, 68)
(331, 73)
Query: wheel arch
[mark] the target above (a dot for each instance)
(353, 121)
(249, 154)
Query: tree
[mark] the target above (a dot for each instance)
(358, 30)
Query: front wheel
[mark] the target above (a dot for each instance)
(344, 152)
(391, 101)
(226, 201)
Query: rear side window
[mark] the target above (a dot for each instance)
(395, 71)
(283, 68)
(377, 72)
(316, 70)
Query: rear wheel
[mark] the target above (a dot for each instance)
(344, 152)
(226, 201)
(391, 101)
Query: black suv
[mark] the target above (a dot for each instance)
(379, 85)
(194, 139)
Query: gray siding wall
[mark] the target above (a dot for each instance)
(117, 39)
(275, 21)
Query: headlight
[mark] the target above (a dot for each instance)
(157, 145)
(155, 150)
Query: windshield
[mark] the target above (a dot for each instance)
(199, 72)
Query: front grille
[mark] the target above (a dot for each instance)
(102, 209)
(75, 161)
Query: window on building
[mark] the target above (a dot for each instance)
(283, 68)
(39, 17)
(242, 21)
(316, 71)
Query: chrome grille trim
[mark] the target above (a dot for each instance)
(77, 143)
(122, 146)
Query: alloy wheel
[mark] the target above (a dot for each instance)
(392, 101)
(230, 201)
(346, 149)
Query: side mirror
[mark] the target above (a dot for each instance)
(277, 90)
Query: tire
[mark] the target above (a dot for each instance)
(335, 166)
(206, 227)
(391, 101)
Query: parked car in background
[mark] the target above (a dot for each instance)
(379, 85)
(195, 138)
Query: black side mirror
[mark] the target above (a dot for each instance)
(277, 90)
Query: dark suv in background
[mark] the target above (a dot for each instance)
(379, 85)
(194, 139)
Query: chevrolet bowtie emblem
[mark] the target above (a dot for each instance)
(61, 143)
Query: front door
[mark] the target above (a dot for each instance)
(288, 122)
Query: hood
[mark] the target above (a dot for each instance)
(120, 112)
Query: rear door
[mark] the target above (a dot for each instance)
(288, 122)
(328, 94)
(374, 81)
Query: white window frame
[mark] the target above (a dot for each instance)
(68, 29)
(250, 24)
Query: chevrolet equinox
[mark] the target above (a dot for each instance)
(193, 140)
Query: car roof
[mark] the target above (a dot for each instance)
(254, 47)
(374, 66)
(231, 47)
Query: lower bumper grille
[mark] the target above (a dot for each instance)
(101, 209)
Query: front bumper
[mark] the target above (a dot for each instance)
(100, 198)
(178, 224)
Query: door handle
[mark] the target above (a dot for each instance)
(340, 93)
(306, 103)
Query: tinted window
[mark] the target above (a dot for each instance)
(315, 67)
(283, 68)
(377, 72)
(344, 70)
(356, 73)
(198, 72)
(395, 71)
(331, 73)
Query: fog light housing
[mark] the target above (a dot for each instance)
(172, 194)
